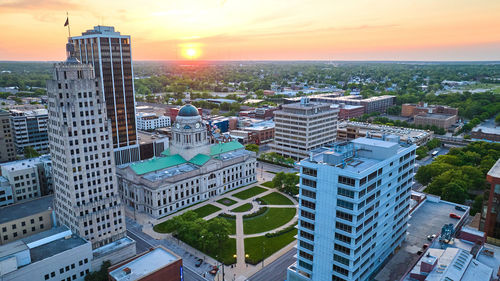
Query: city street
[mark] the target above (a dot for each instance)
(276, 271)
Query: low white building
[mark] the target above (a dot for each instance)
(23, 178)
(190, 171)
(6, 197)
(149, 121)
(55, 254)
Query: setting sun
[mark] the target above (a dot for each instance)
(190, 51)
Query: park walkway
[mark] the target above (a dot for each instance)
(241, 270)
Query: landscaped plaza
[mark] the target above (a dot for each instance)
(257, 221)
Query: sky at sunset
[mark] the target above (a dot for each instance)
(261, 29)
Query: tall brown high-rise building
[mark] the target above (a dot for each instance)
(109, 53)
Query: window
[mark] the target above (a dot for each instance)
(347, 181)
(310, 172)
(307, 225)
(345, 192)
(344, 227)
(306, 235)
(308, 193)
(341, 270)
(46, 277)
(308, 204)
(306, 245)
(345, 204)
(344, 216)
(305, 265)
(307, 215)
(309, 182)
(306, 255)
(341, 259)
(343, 238)
(342, 249)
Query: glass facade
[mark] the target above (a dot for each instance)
(110, 54)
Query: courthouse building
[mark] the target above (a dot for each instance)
(190, 171)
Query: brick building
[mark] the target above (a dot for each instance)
(444, 121)
(410, 110)
(492, 220)
(158, 264)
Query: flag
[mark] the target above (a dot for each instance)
(67, 22)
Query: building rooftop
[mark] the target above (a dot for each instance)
(156, 163)
(144, 265)
(24, 209)
(495, 170)
(55, 247)
(224, 147)
(427, 219)
(435, 116)
(199, 159)
(21, 164)
(359, 155)
(487, 130)
(29, 112)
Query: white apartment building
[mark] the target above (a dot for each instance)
(86, 195)
(23, 178)
(353, 208)
(149, 121)
(302, 127)
(29, 128)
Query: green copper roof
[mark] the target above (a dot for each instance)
(224, 147)
(166, 152)
(200, 159)
(156, 164)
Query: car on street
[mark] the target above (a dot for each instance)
(431, 237)
(214, 270)
(198, 264)
(460, 208)
(454, 216)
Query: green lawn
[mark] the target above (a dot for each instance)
(269, 184)
(164, 227)
(206, 210)
(271, 219)
(226, 201)
(256, 245)
(251, 192)
(276, 198)
(232, 222)
(242, 208)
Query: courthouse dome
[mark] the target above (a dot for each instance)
(188, 110)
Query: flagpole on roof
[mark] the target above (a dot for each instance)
(67, 24)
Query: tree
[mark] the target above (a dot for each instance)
(278, 180)
(101, 275)
(477, 205)
(215, 111)
(252, 147)
(497, 119)
(290, 183)
(30, 152)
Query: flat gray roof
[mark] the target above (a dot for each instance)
(495, 170)
(375, 142)
(55, 247)
(24, 209)
(426, 220)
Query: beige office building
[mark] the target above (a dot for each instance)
(302, 127)
(7, 151)
(24, 219)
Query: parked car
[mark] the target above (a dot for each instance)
(459, 208)
(454, 216)
(214, 270)
(198, 264)
(431, 237)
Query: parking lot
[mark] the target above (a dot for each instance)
(426, 220)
